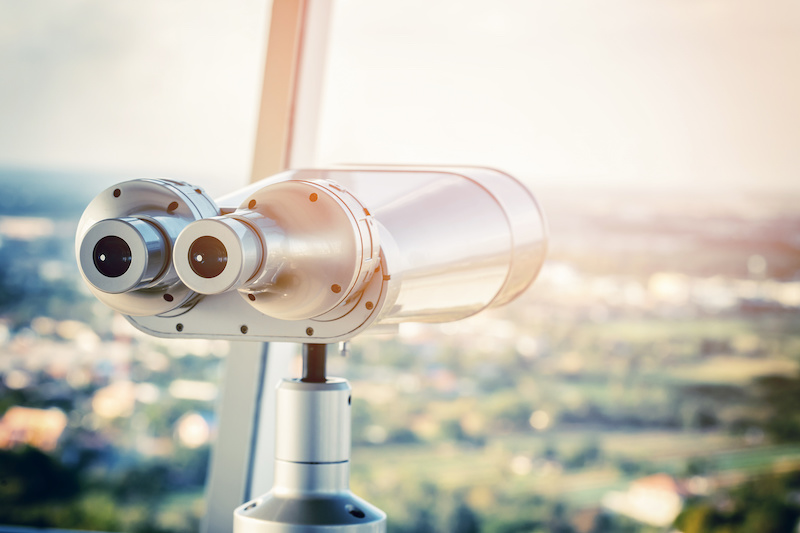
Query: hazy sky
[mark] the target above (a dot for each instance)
(651, 93)
(647, 92)
(147, 87)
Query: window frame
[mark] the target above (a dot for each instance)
(242, 457)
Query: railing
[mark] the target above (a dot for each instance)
(18, 529)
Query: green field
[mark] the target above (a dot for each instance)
(385, 473)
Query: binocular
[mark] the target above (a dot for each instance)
(311, 256)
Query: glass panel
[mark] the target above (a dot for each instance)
(101, 427)
(648, 378)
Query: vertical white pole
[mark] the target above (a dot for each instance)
(229, 473)
(242, 460)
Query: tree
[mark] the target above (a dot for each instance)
(464, 519)
(760, 505)
(779, 395)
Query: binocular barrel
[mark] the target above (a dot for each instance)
(456, 240)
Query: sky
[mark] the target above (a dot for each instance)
(146, 88)
(651, 94)
(658, 93)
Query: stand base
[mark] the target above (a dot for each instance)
(342, 512)
(311, 492)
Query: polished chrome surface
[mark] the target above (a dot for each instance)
(293, 478)
(312, 468)
(147, 214)
(317, 248)
(227, 316)
(320, 250)
(325, 407)
(456, 239)
(146, 250)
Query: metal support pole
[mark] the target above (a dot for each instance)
(314, 363)
(312, 465)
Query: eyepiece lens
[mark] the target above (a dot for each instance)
(112, 256)
(208, 257)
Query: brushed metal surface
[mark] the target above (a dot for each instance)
(312, 468)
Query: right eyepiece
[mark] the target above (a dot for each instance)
(208, 257)
(217, 254)
(124, 244)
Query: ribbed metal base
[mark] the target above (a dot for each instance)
(342, 512)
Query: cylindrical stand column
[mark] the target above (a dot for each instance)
(312, 467)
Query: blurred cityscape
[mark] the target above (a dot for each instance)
(647, 382)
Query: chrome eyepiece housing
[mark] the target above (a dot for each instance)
(108, 250)
(124, 244)
(217, 254)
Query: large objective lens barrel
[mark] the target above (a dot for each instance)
(293, 250)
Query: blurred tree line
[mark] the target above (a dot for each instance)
(769, 504)
(37, 490)
(764, 504)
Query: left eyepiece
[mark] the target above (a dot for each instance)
(112, 256)
(125, 239)
(122, 254)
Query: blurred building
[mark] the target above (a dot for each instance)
(36, 427)
(654, 500)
